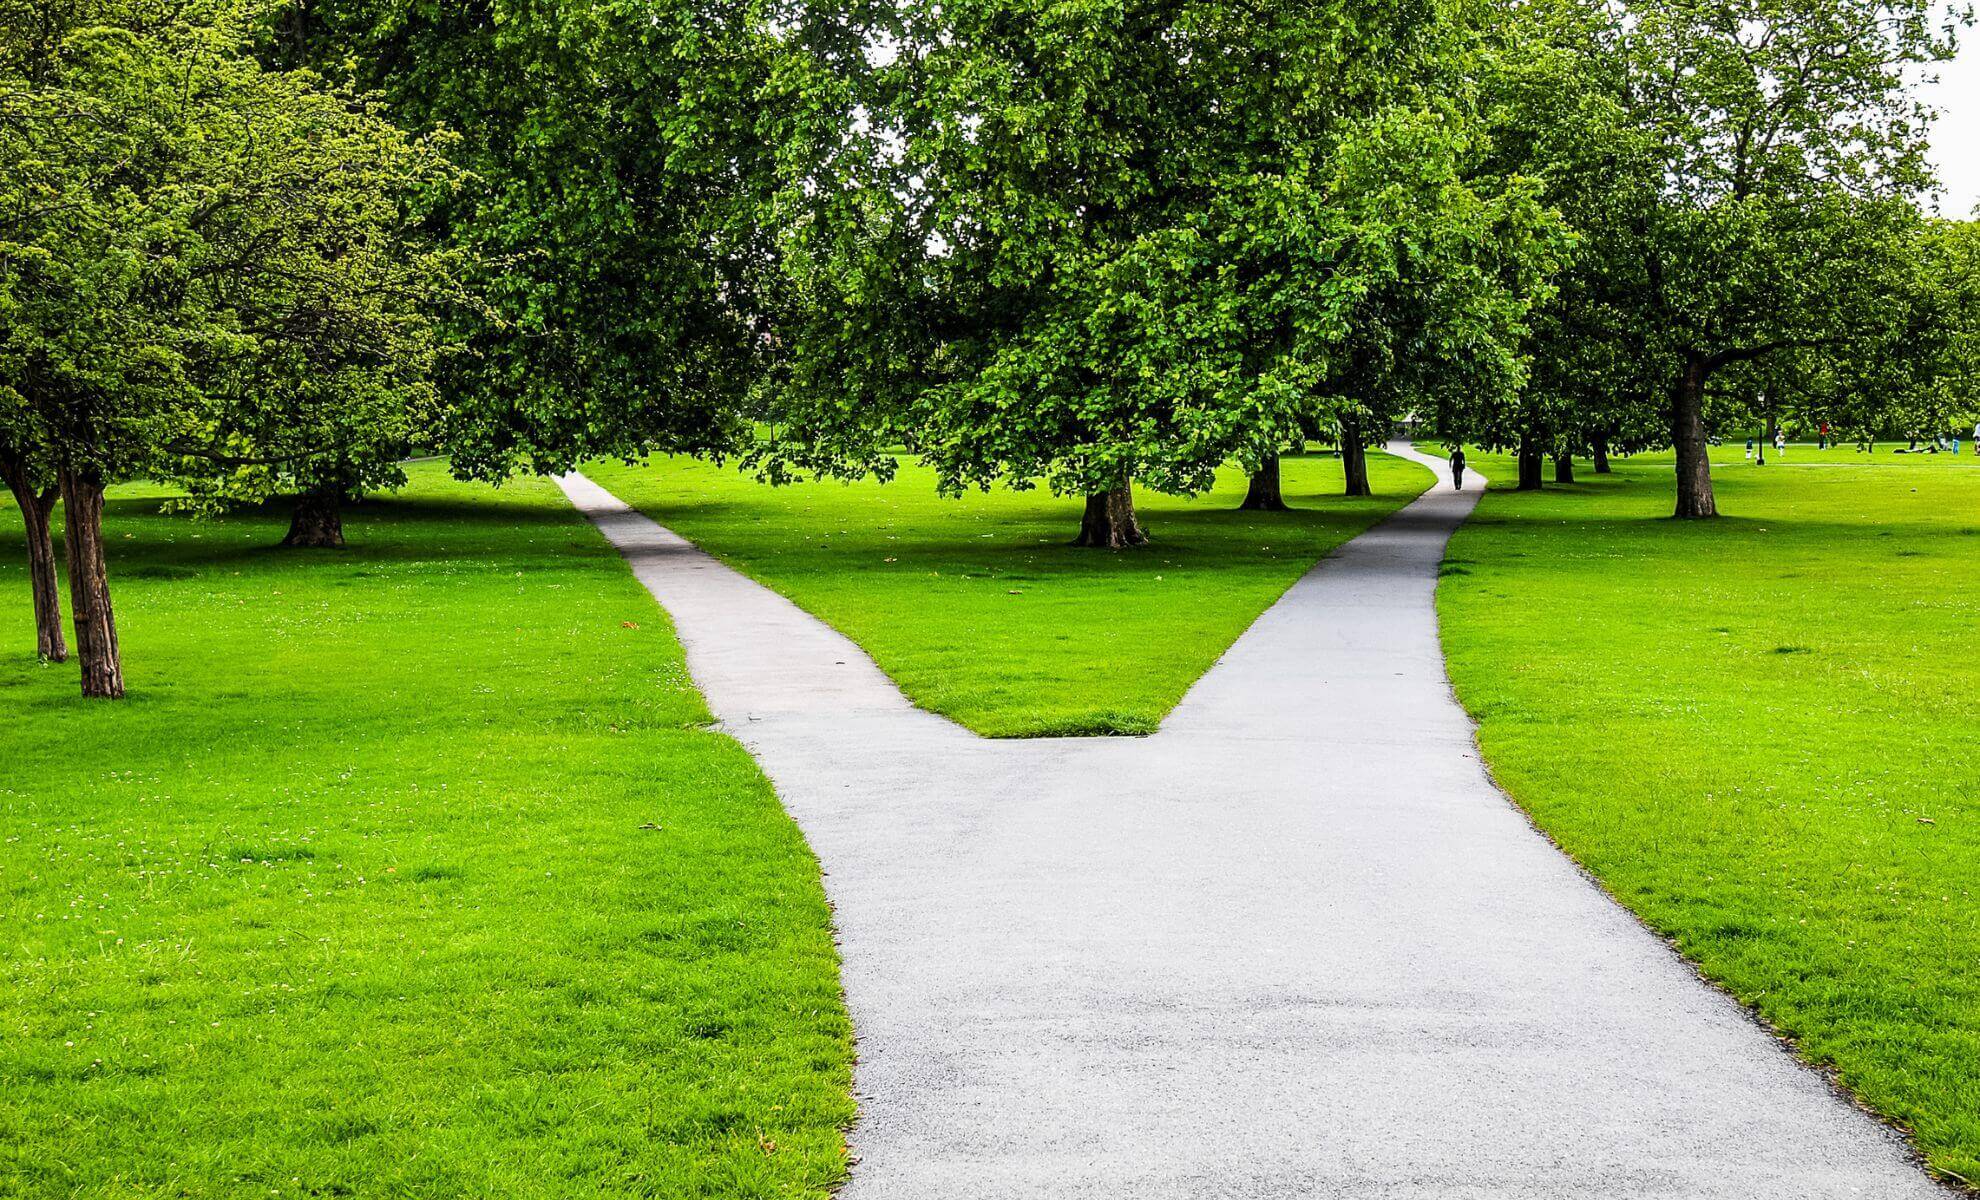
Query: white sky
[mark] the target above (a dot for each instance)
(1956, 136)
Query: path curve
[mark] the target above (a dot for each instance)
(1295, 944)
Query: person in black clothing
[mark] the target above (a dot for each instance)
(1457, 468)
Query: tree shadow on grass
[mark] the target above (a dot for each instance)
(384, 508)
(1176, 537)
(181, 560)
(1727, 529)
(170, 547)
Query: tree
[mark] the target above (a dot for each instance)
(1925, 379)
(1144, 241)
(35, 497)
(1263, 493)
(323, 383)
(176, 218)
(624, 167)
(89, 255)
(1740, 175)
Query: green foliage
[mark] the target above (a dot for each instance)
(1741, 178)
(1921, 379)
(622, 162)
(1758, 734)
(205, 270)
(323, 380)
(408, 872)
(1135, 242)
(1928, 378)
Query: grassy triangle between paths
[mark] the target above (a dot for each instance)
(980, 609)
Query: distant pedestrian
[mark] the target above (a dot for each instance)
(1749, 449)
(1822, 443)
(1457, 467)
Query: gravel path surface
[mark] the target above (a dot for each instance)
(1296, 944)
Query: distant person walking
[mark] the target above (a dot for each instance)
(1749, 449)
(1457, 468)
(1780, 444)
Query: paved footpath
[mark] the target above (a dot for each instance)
(1293, 945)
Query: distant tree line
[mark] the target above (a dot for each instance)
(271, 249)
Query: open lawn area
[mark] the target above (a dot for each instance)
(978, 606)
(407, 869)
(415, 869)
(1762, 733)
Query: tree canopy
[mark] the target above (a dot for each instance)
(1742, 178)
(205, 271)
(624, 167)
(1136, 241)
(260, 248)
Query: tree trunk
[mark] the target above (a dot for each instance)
(1529, 465)
(1564, 468)
(1694, 465)
(1354, 460)
(1264, 494)
(35, 505)
(1109, 522)
(1601, 454)
(318, 519)
(89, 586)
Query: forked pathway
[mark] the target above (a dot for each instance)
(1295, 944)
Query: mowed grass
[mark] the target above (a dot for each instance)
(979, 607)
(406, 870)
(1763, 735)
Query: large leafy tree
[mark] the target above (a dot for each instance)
(1926, 381)
(1135, 240)
(1741, 174)
(185, 238)
(624, 166)
(1362, 260)
(323, 379)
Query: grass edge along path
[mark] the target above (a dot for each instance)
(978, 608)
(408, 869)
(1756, 733)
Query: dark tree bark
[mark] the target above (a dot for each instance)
(318, 520)
(89, 586)
(1600, 454)
(1694, 466)
(36, 504)
(1354, 459)
(1109, 523)
(1530, 459)
(1564, 468)
(1264, 495)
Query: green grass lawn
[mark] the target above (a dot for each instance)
(412, 869)
(407, 870)
(1763, 734)
(979, 608)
